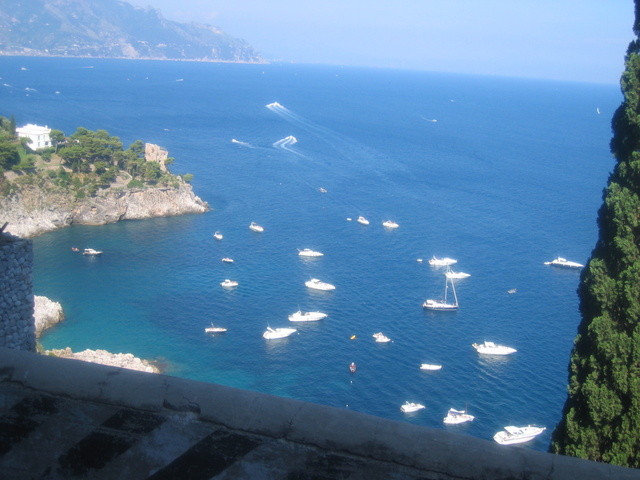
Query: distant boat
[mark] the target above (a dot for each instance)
(363, 220)
(442, 262)
(316, 284)
(430, 366)
(598, 110)
(307, 252)
(213, 329)
(563, 262)
(256, 228)
(410, 407)
(381, 338)
(457, 416)
(455, 275)
(490, 348)
(91, 251)
(352, 367)
(443, 306)
(301, 316)
(512, 290)
(274, 333)
(227, 260)
(322, 190)
(217, 235)
(390, 224)
(511, 434)
(229, 283)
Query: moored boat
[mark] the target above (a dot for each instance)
(490, 348)
(274, 333)
(363, 220)
(256, 228)
(563, 262)
(227, 260)
(214, 329)
(430, 366)
(442, 262)
(457, 416)
(443, 305)
(511, 434)
(390, 224)
(381, 338)
(91, 251)
(301, 316)
(229, 283)
(410, 407)
(217, 235)
(307, 252)
(316, 284)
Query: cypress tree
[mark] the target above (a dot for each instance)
(601, 417)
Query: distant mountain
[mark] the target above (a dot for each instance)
(111, 29)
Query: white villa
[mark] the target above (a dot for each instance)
(39, 135)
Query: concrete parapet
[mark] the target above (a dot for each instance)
(368, 442)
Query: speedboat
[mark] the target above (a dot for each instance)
(511, 434)
(352, 367)
(430, 366)
(227, 260)
(301, 316)
(363, 220)
(490, 348)
(322, 190)
(91, 251)
(307, 252)
(457, 416)
(256, 228)
(409, 407)
(390, 224)
(318, 285)
(381, 338)
(443, 306)
(273, 333)
(442, 262)
(217, 235)
(563, 262)
(213, 329)
(229, 283)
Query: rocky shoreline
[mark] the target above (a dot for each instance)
(34, 211)
(48, 313)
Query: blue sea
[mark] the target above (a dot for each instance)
(501, 174)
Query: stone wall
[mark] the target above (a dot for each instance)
(17, 329)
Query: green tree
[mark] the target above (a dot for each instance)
(9, 155)
(601, 416)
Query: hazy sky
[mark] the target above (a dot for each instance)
(583, 40)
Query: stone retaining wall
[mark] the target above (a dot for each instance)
(17, 329)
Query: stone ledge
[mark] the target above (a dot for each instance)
(439, 454)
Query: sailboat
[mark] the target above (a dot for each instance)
(443, 306)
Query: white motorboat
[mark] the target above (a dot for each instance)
(301, 316)
(390, 224)
(563, 262)
(490, 348)
(217, 235)
(322, 190)
(430, 366)
(442, 305)
(363, 220)
(455, 275)
(307, 252)
(442, 262)
(273, 333)
(511, 434)
(381, 338)
(229, 283)
(256, 228)
(457, 416)
(227, 260)
(91, 251)
(409, 407)
(213, 329)
(318, 285)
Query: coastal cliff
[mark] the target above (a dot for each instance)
(33, 211)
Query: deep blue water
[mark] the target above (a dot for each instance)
(509, 176)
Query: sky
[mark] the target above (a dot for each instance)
(572, 40)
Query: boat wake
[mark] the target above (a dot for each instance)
(286, 143)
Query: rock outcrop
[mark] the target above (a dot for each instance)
(46, 313)
(122, 360)
(33, 210)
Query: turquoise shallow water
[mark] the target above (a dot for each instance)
(501, 174)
